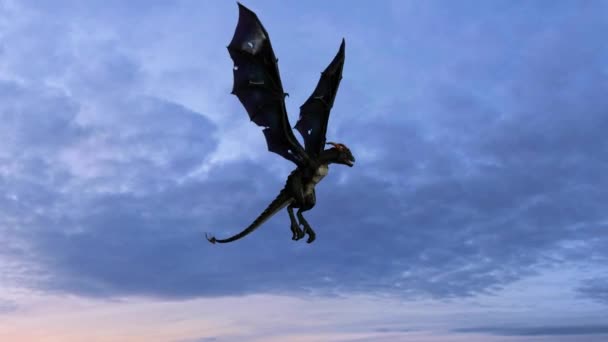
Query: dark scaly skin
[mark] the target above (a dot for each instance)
(293, 196)
(258, 86)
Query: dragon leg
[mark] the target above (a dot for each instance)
(295, 227)
(307, 229)
(309, 204)
(294, 183)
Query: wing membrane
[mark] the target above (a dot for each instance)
(314, 113)
(257, 84)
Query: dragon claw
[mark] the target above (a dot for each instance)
(311, 234)
(297, 232)
(311, 238)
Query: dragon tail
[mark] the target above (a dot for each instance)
(280, 202)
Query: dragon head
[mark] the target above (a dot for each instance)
(342, 154)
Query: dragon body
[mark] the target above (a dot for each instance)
(257, 84)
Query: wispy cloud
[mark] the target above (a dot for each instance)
(595, 288)
(542, 330)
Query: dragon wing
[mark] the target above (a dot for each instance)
(257, 84)
(314, 113)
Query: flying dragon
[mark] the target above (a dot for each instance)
(257, 85)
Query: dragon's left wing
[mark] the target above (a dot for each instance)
(257, 84)
(314, 113)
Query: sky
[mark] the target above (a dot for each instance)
(475, 210)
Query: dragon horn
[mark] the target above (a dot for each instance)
(340, 147)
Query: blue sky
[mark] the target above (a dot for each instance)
(475, 210)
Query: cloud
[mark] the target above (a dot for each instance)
(540, 330)
(596, 289)
(202, 339)
(473, 171)
(7, 306)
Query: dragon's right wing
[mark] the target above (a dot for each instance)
(258, 86)
(314, 113)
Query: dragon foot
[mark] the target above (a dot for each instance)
(308, 230)
(297, 232)
(311, 235)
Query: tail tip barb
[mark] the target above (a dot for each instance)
(211, 239)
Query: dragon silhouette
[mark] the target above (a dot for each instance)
(257, 84)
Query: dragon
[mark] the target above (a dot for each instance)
(257, 84)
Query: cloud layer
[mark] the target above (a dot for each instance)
(479, 133)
